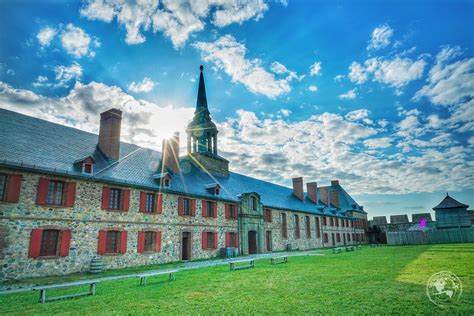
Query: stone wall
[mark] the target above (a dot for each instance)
(87, 217)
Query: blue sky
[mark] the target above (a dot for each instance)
(376, 94)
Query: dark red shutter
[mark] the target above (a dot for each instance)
(123, 242)
(204, 240)
(65, 243)
(35, 243)
(180, 206)
(237, 240)
(158, 241)
(193, 207)
(270, 215)
(227, 211)
(215, 241)
(142, 201)
(205, 212)
(101, 246)
(141, 242)
(70, 194)
(14, 187)
(105, 198)
(214, 205)
(159, 203)
(42, 191)
(126, 200)
(227, 240)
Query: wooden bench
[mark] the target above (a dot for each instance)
(349, 248)
(43, 288)
(144, 276)
(336, 250)
(279, 259)
(250, 264)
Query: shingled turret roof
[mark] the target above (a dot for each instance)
(449, 202)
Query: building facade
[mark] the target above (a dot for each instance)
(68, 196)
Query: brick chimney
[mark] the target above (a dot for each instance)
(109, 133)
(298, 188)
(334, 183)
(170, 152)
(312, 189)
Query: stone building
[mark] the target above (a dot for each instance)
(67, 196)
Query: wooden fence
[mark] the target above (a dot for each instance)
(437, 236)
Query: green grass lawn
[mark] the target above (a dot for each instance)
(372, 280)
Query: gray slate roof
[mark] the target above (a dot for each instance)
(449, 202)
(38, 145)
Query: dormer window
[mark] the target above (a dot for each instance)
(163, 178)
(87, 168)
(166, 182)
(217, 191)
(213, 188)
(85, 165)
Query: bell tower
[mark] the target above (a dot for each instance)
(202, 136)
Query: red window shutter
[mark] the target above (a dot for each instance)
(105, 199)
(101, 247)
(215, 209)
(193, 207)
(142, 201)
(159, 203)
(205, 213)
(227, 211)
(126, 200)
(158, 241)
(70, 194)
(180, 206)
(270, 215)
(13, 190)
(237, 240)
(35, 243)
(227, 240)
(215, 240)
(123, 242)
(204, 240)
(141, 242)
(65, 243)
(42, 191)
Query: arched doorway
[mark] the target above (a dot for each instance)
(252, 241)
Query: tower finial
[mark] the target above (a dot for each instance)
(201, 68)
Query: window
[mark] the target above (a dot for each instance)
(186, 207)
(217, 191)
(87, 168)
(150, 241)
(112, 244)
(326, 238)
(166, 182)
(231, 240)
(324, 221)
(342, 222)
(210, 208)
(308, 227)
(150, 203)
(338, 237)
(115, 201)
(297, 227)
(55, 193)
(284, 227)
(3, 186)
(331, 221)
(231, 211)
(348, 237)
(337, 222)
(49, 243)
(267, 215)
(210, 240)
(253, 201)
(318, 231)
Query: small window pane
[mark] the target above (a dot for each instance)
(150, 203)
(49, 243)
(3, 185)
(115, 199)
(150, 241)
(210, 240)
(113, 242)
(187, 206)
(55, 193)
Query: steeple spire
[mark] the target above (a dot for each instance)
(201, 103)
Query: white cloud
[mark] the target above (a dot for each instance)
(285, 112)
(396, 72)
(77, 42)
(357, 115)
(315, 69)
(146, 85)
(229, 55)
(338, 78)
(381, 37)
(349, 95)
(313, 88)
(66, 74)
(46, 35)
(176, 19)
(41, 81)
(375, 143)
